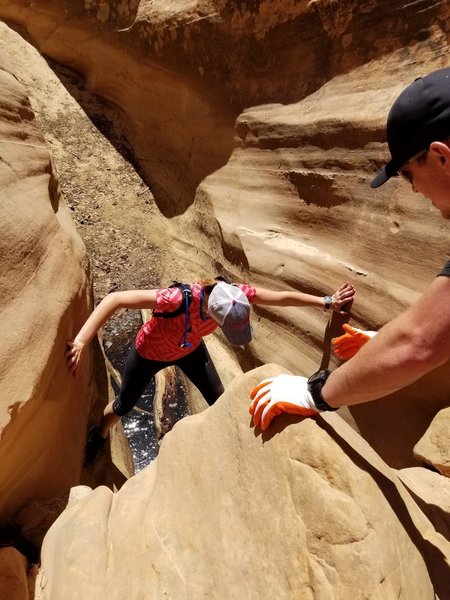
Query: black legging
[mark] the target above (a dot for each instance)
(197, 366)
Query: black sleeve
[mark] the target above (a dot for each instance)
(445, 270)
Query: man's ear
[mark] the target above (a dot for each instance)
(441, 151)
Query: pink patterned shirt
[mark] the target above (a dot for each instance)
(159, 338)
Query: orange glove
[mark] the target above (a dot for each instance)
(281, 394)
(347, 345)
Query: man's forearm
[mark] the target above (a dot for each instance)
(367, 376)
(403, 351)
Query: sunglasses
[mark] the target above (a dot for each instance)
(405, 174)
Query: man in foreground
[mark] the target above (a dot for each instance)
(418, 134)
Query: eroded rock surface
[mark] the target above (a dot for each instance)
(432, 448)
(290, 514)
(44, 294)
(14, 575)
(257, 127)
(432, 493)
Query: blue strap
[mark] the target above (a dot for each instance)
(184, 343)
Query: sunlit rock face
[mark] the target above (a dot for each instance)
(432, 448)
(258, 127)
(289, 514)
(44, 295)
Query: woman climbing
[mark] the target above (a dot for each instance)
(182, 316)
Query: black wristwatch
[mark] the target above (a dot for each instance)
(327, 302)
(315, 385)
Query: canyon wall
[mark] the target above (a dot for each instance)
(257, 127)
(45, 292)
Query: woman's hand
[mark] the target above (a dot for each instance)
(73, 355)
(342, 296)
(102, 312)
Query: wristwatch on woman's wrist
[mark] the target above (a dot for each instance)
(315, 385)
(327, 302)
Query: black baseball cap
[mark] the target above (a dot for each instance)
(419, 116)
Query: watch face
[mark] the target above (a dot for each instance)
(327, 301)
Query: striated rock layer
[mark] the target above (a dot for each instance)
(304, 511)
(44, 294)
(258, 126)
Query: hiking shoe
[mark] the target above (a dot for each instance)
(95, 442)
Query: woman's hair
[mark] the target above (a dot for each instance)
(209, 284)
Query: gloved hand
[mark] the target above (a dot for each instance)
(281, 394)
(347, 345)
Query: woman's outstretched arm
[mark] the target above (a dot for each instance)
(340, 297)
(100, 315)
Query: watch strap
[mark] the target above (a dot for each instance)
(315, 385)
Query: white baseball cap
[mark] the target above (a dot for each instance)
(230, 308)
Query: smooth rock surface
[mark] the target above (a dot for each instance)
(257, 127)
(13, 575)
(287, 514)
(44, 294)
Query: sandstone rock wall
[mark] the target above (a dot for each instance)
(44, 296)
(16, 585)
(307, 510)
(258, 126)
(274, 193)
(255, 52)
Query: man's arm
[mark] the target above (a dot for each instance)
(405, 349)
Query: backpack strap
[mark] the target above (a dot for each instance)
(186, 298)
(186, 294)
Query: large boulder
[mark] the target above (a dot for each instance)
(305, 510)
(433, 447)
(431, 491)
